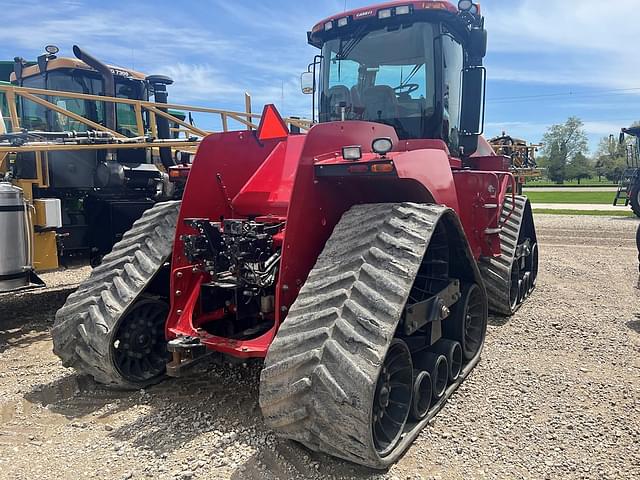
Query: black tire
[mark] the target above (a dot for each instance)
(467, 322)
(393, 398)
(88, 325)
(422, 394)
(438, 368)
(452, 350)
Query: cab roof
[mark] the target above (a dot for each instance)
(64, 62)
(372, 11)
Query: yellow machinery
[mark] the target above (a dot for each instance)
(522, 155)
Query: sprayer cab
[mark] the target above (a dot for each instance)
(88, 75)
(416, 66)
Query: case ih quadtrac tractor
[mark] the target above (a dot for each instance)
(360, 260)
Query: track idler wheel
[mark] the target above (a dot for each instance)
(139, 348)
(453, 353)
(422, 393)
(392, 399)
(467, 323)
(436, 365)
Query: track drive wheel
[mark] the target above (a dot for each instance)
(112, 327)
(337, 378)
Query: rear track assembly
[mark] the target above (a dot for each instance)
(511, 278)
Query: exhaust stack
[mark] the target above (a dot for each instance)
(109, 83)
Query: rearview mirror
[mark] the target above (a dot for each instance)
(473, 87)
(307, 83)
(478, 43)
(474, 81)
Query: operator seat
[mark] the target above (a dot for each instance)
(339, 95)
(380, 102)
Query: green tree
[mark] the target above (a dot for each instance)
(552, 162)
(611, 158)
(580, 168)
(562, 143)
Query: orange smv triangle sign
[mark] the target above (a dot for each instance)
(271, 124)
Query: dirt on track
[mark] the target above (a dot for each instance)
(556, 395)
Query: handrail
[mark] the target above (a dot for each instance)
(248, 119)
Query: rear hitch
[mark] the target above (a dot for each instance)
(186, 352)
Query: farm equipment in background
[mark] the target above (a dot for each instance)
(88, 153)
(359, 260)
(629, 183)
(83, 199)
(522, 155)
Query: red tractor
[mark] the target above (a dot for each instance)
(359, 260)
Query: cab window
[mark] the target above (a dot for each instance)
(453, 63)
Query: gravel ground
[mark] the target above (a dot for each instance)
(557, 394)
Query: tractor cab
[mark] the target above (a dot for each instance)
(416, 66)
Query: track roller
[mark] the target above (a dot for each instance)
(453, 353)
(438, 368)
(422, 393)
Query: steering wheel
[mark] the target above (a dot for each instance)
(406, 88)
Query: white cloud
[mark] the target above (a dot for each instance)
(562, 42)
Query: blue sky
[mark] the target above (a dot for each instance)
(548, 59)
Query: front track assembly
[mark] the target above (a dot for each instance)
(112, 327)
(349, 373)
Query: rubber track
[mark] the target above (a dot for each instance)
(496, 272)
(84, 327)
(321, 370)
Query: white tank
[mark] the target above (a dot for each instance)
(15, 241)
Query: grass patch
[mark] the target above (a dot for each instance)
(597, 213)
(600, 198)
(592, 182)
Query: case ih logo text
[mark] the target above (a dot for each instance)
(364, 14)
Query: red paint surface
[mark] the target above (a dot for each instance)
(235, 175)
(372, 11)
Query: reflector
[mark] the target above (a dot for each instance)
(382, 168)
(271, 124)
